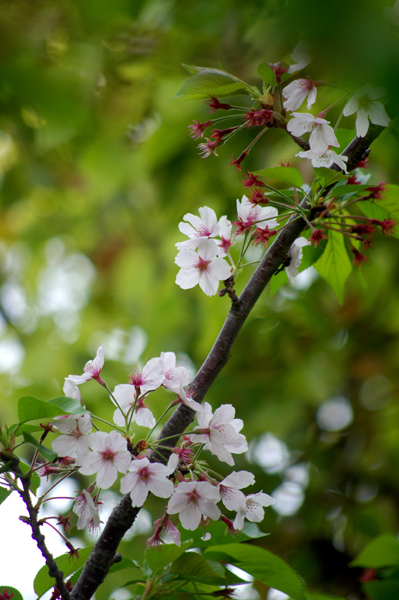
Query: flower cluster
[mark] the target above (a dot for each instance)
(184, 481)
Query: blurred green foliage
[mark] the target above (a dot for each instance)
(96, 172)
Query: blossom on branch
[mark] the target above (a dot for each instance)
(251, 508)
(230, 486)
(295, 258)
(296, 92)
(250, 215)
(125, 394)
(325, 158)
(92, 369)
(75, 438)
(220, 432)
(144, 477)
(197, 129)
(71, 390)
(193, 501)
(321, 133)
(202, 267)
(301, 56)
(108, 455)
(225, 227)
(87, 511)
(150, 378)
(198, 228)
(365, 104)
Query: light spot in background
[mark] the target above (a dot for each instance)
(120, 594)
(339, 340)
(270, 453)
(124, 346)
(16, 306)
(245, 591)
(289, 497)
(143, 525)
(375, 392)
(334, 414)
(12, 354)
(365, 492)
(298, 474)
(304, 280)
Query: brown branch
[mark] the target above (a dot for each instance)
(123, 515)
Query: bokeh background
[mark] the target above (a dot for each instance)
(97, 170)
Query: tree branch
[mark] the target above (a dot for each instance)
(123, 515)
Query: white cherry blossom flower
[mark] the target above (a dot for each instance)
(296, 92)
(225, 236)
(230, 488)
(321, 133)
(252, 215)
(220, 432)
(144, 477)
(301, 56)
(176, 378)
(202, 267)
(75, 438)
(87, 511)
(71, 390)
(91, 370)
(296, 258)
(125, 394)
(364, 103)
(151, 377)
(198, 228)
(251, 508)
(193, 500)
(325, 159)
(108, 455)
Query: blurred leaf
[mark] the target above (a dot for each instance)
(11, 590)
(217, 529)
(382, 551)
(390, 203)
(212, 82)
(66, 564)
(373, 211)
(287, 175)
(159, 557)
(45, 452)
(334, 264)
(263, 565)
(326, 177)
(4, 493)
(30, 408)
(342, 190)
(34, 478)
(264, 71)
(194, 567)
(382, 590)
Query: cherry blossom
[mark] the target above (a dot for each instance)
(198, 228)
(176, 378)
(230, 486)
(108, 455)
(150, 378)
(75, 438)
(220, 432)
(193, 501)
(87, 511)
(225, 228)
(321, 133)
(250, 215)
(301, 56)
(295, 258)
(144, 477)
(202, 267)
(325, 158)
(296, 92)
(71, 390)
(364, 103)
(251, 508)
(125, 394)
(91, 369)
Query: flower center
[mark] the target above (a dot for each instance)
(107, 454)
(202, 264)
(144, 474)
(193, 497)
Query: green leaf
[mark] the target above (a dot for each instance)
(159, 558)
(19, 428)
(218, 535)
(194, 567)
(326, 177)
(45, 452)
(212, 82)
(30, 408)
(342, 190)
(373, 211)
(382, 551)
(66, 564)
(334, 264)
(265, 73)
(263, 565)
(125, 563)
(387, 589)
(344, 137)
(390, 203)
(322, 597)
(11, 590)
(287, 175)
(4, 493)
